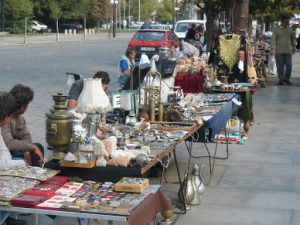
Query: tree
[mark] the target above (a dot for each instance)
(212, 8)
(17, 11)
(56, 14)
(147, 7)
(165, 11)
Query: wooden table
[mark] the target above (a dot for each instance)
(143, 214)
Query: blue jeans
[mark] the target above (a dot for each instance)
(284, 66)
(34, 157)
(3, 217)
(122, 80)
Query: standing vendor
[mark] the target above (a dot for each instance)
(77, 88)
(16, 134)
(125, 65)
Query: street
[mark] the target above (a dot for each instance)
(44, 67)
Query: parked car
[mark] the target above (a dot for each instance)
(149, 41)
(74, 25)
(182, 26)
(37, 26)
(162, 26)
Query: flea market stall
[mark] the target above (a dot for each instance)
(112, 145)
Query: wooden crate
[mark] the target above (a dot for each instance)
(90, 164)
(136, 188)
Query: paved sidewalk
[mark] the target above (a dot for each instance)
(50, 38)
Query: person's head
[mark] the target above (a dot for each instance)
(104, 79)
(193, 25)
(176, 42)
(259, 37)
(130, 53)
(285, 21)
(8, 106)
(23, 95)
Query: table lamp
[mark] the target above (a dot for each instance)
(93, 98)
(95, 103)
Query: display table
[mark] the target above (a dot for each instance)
(143, 214)
(245, 113)
(212, 126)
(114, 174)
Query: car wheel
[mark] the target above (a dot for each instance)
(34, 31)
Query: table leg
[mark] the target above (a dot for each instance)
(36, 219)
(180, 183)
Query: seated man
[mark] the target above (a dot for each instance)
(16, 135)
(7, 107)
(125, 65)
(77, 88)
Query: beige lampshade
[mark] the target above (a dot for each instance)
(93, 98)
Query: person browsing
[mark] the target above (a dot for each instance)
(16, 134)
(182, 48)
(77, 88)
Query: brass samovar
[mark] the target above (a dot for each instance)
(59, 127)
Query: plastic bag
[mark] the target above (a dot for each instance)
(144, 61)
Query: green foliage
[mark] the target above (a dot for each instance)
(165, 11)
(55, 10)
(272, 10)
(147, 8)
(17, 11)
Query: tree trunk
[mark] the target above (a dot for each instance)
(240, 15)
(84, 28)
(25, 30)
(57, 30)
(209, 29)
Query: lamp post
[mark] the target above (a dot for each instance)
(114, 6)
(139, 12)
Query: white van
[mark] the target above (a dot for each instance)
(182, 26)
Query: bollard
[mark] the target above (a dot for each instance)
(66, 32)
(89, 31)
(74, 32)
(70, 31)
(93, 31)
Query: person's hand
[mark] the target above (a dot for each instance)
(294, 50)
(37, 151)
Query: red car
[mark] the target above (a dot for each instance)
(149, 41)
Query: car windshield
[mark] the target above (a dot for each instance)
(150, 36)
(182, 27)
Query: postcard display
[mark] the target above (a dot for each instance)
(28, 187)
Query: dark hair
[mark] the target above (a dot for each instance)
(103, 75)
(129, 51)
(285, 17)
(23, 95)
(8, 104)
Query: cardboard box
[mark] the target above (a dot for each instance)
(138, 185)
